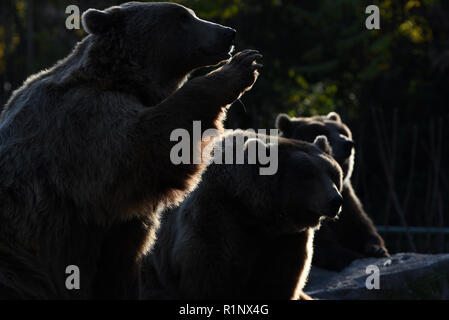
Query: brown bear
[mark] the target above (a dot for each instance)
(243, 235)
(85, 148)
(353, 235)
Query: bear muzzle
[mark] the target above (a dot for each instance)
(334, 207)
(220, 46)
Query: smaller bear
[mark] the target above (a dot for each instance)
(353, 235)
(243, 235)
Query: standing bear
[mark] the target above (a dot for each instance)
(85, 148)
(353, 235)
(243, 235)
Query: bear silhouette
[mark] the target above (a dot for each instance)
(353, 235)
(241, 234)
(85, 163)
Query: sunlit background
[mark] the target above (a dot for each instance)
(390, 85)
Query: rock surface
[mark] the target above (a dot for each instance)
(403, 276)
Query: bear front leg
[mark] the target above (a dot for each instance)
(118, 268)
(150, 179)
(304, 296)
(330, 254)
(201, 99)
(282, 268)
(356, 229)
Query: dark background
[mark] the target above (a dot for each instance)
(389, 85)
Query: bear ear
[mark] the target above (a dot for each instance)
(323, 144)
(96, 21)
(283, 123)
(334, 116)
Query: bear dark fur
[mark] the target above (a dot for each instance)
(85, 147)
(353, 235)
(242, 235)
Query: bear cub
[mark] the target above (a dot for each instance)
(353, 235)
(242, 235)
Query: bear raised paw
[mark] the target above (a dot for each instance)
(85, 147)
(243, 235)
(353, 235)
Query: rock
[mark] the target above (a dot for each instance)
(403, 276)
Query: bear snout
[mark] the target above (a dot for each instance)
(218, 41)
(227, 36)
(231, 33)
(334, 206)
(347, 147)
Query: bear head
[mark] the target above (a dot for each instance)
(331, 126)
(305, 188)
(166, 39)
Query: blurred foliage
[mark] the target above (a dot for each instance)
(318, 57)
